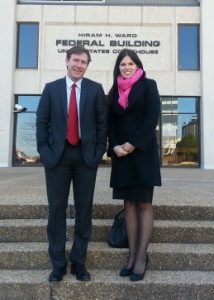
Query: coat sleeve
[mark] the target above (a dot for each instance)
(144, 135)
(112, 138)
(101, 122)
(42, 119)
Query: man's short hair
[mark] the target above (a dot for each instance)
(78, 50)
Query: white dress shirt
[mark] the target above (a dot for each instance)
(69, 84)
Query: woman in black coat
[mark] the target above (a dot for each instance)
(134, 108)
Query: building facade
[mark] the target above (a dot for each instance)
(174, 39)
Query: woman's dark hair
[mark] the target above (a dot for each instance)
(134, 57)
(78, 50)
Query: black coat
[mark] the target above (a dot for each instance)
(136, 125)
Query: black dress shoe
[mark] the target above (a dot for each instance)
(138, 277)
(80, 271)
(56, 275)
(125, 271)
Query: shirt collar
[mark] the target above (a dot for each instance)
(69, 82)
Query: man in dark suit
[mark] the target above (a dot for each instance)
(67, 158)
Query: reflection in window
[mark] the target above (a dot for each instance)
(188, 47)
(180, 131)
(27, 56)
(25, 137)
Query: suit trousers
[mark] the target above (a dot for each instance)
(71, 168)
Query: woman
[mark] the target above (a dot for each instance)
(134, 108)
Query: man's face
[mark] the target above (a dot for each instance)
(77, 66)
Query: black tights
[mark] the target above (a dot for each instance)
(139, 224)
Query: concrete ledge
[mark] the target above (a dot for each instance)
(23, 285)
(161, 285)
(109, 210)
(100, 256)
(106, 284)
(21, 230)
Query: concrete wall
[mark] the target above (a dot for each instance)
(7, 63)
(66, 22)
(207, 72)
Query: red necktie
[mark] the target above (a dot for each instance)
(73, 128)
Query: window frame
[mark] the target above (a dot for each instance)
(18, 43)
(15, 162)
(61, 2)
(197, 25)
(160, 142)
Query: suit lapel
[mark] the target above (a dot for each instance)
(83, 95)
(63, 96)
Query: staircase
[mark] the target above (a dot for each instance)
(181, 251)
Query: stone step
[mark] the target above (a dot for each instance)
(165, 231)
(108, 211)
(165, 256)
(24, 285)
(106, 284)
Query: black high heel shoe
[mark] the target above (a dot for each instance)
(126, 271)
(138, 277)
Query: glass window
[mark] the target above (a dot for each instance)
(28, 36)
(180, 131)
(25, 152)
(124, 2)
(188, 47)
(59, 1)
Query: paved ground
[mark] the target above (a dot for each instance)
(180, 186)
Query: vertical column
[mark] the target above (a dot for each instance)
(7, 57)
(207, 83)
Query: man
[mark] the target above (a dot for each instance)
(71, 152)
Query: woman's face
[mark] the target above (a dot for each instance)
(127, 67)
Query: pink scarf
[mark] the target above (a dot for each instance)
(125, 85)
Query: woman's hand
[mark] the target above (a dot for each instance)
(128, 147)
(119, 151)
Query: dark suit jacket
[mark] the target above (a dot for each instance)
(52, 116)
(136, 125)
